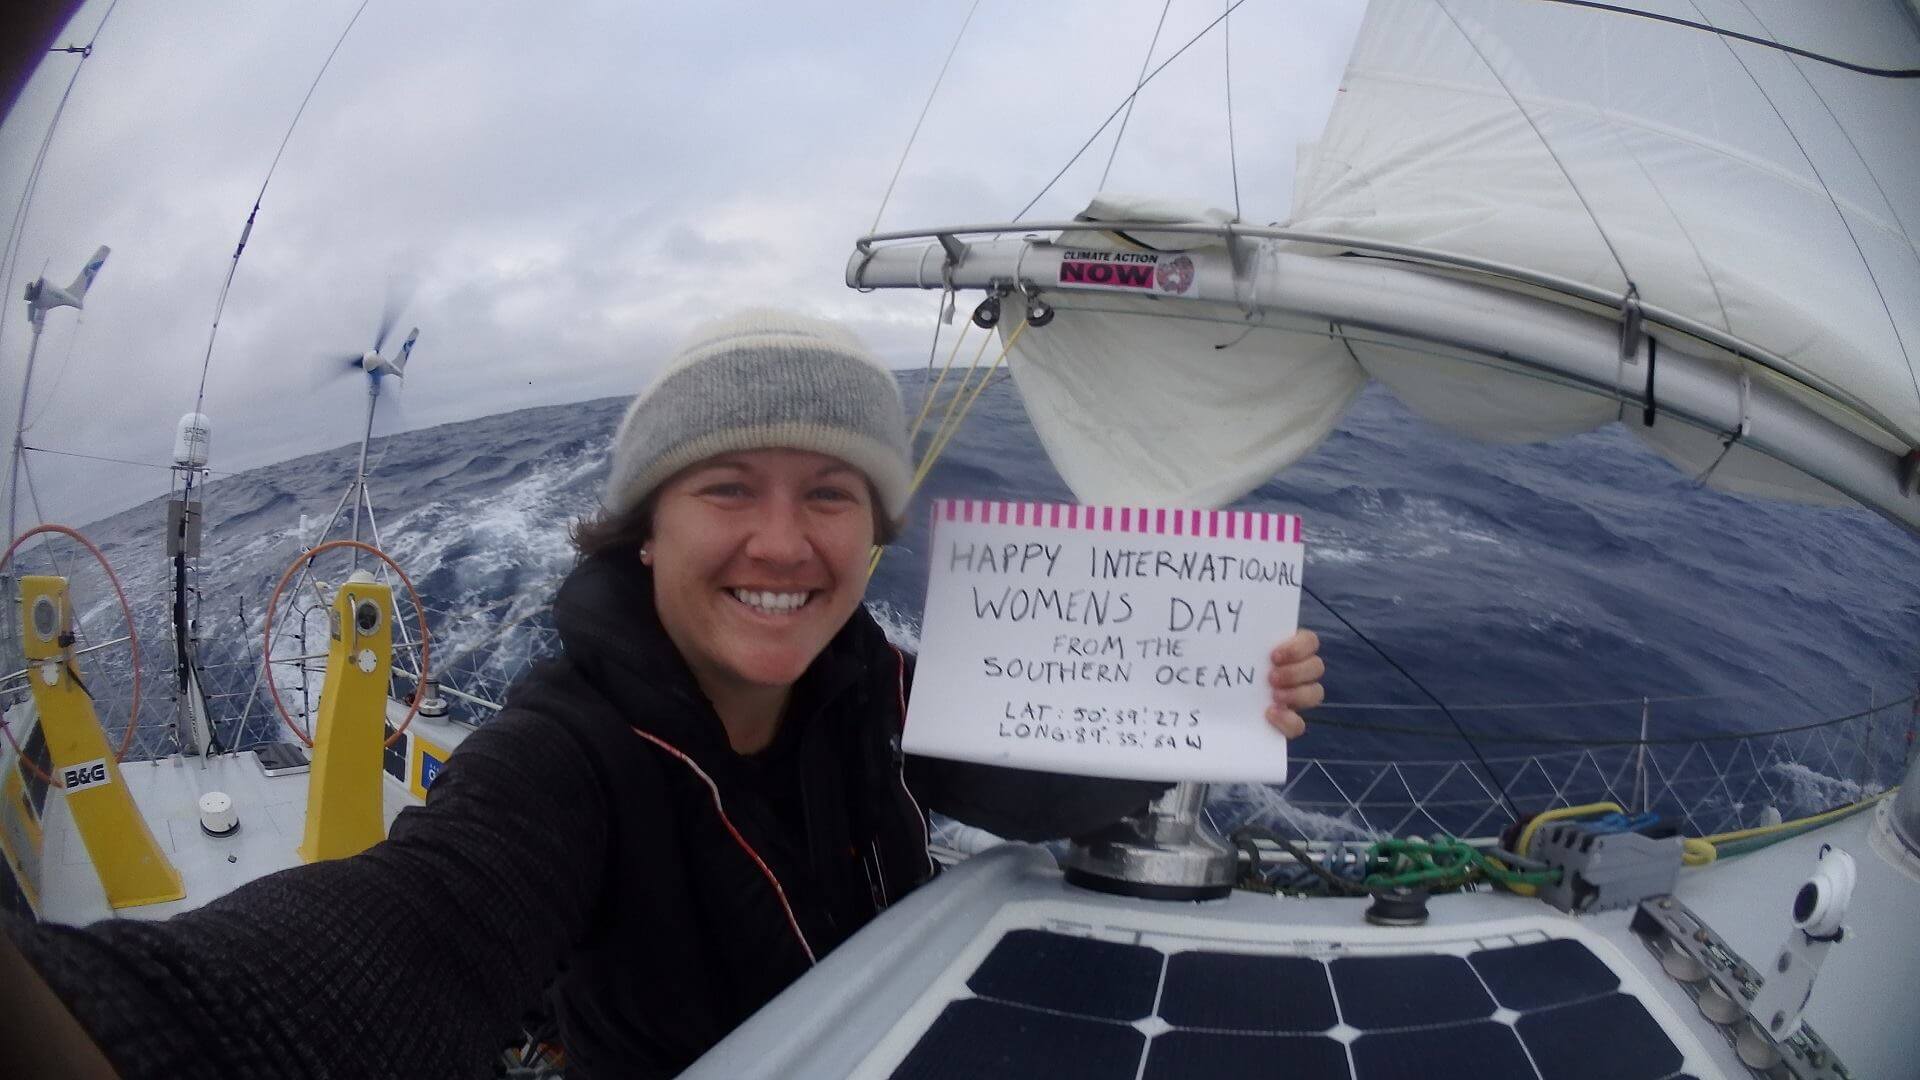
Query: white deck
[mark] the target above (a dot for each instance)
(868, 1003)
(272, 813)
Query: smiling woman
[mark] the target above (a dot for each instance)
(667, 825)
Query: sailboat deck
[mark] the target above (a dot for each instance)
(272, 811)
(923, 991)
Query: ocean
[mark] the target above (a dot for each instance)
(1520, 584)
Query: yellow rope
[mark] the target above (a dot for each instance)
(950, 421)
(926, 402)
(945, 435)
(1801, 823)
(953, 399)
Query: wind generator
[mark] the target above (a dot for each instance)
(377, 367)
(41, 296)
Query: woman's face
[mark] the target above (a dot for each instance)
(758, 559)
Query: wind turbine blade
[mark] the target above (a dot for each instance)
(399, 294)
(399, 362)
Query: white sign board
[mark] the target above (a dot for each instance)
(1106, 641)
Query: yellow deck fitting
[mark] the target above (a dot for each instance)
(343, 793)
(132, 868)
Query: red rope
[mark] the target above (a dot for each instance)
(133, 642)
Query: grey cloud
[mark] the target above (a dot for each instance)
(573, 184)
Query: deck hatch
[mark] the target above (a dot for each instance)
(1054, 1004)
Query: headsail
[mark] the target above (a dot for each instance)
(1564, 215)
(1767, 196)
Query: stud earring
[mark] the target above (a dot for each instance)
(646, 557)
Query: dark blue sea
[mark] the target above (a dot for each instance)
(1509, 580)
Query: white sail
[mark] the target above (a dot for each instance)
(1528, 219)
(1766, 195)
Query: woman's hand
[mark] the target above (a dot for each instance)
(1295, 679)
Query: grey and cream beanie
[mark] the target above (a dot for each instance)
(762, 379)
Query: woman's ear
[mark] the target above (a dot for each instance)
(646, 557)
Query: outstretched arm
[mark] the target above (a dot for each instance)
(414, 958)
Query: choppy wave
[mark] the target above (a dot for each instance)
(1584, 569)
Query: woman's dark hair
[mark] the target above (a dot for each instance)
(605, 532)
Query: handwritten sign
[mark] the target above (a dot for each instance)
(1105, 641)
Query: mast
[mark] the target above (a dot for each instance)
(359, 492)
(193, 729)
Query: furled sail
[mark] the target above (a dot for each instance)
(1528, 218)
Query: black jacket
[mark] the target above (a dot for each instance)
(599, 838)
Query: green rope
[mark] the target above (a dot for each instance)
(1443, 862)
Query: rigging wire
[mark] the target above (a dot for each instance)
(1124, 104)
(931, 94)
(1418, 685)
(1863, 69)
(113, 460)
(1139, 80)
(1665, 740)
(12, 252)
(1833, 200)
(233, 267)
(1544, 144)
(59, 374)
(1233, 152)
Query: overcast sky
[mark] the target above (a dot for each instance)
(569, 185)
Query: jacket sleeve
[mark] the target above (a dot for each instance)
(1022, 804)
(417, 957)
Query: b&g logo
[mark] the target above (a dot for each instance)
(85, 775)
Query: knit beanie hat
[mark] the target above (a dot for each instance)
(761, 379)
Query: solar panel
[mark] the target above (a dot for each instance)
(1059, 1005)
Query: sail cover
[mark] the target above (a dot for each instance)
(1767, 197)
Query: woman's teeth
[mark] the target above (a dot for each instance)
(771, 603)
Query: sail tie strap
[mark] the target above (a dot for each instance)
(1740, 432)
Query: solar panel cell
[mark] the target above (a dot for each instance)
(1103, 979)
(1608, 1038)
(1379, 992)
(1545, 973)
(1199, 1055)
(1242, 992)
(975, 1038)
(1484, 1049)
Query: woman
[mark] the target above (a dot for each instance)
(667, 825)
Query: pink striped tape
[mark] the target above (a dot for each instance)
(1222, 524)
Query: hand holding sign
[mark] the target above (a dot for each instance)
(1114, 641)
(1295, 679)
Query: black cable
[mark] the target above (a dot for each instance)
(1431, 696)
(1884, 73)
(1244, 836)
